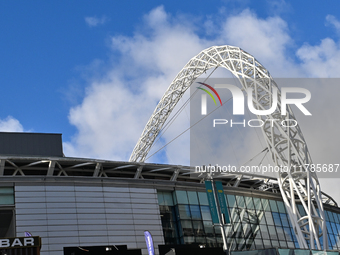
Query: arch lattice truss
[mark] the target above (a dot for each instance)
(286, 144)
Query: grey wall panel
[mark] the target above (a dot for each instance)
(77, 215)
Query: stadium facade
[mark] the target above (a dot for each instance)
(75, 202)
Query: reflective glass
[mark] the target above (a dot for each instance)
(192, 195)
(187, 227)
(260, 216)
(257, 204)
(269, 218)
(205, 210)
(240, 241)
(234, 215)
(283, 244)
(333, 241)
(273, 206)
(338, 215)
(200, 240)
(267, 244)
(280, 233)
(244, 214)
(275, 243)
(291, 245)
(272, 232)
(247, 230)
(332, 253)
(335, 231)
(182, 197)
(189, 239)
(302, 252)
(231, 201)
(330, 216)
(284, 219)
(318, 252)
(301, 210)
(203, 199)
(160, 197)
(336, 219)
(281, 206)
(6, 196)
(208, 228)
(326, 216)
(252, 215)
(240, 202)
(258, 244)
(195, 212)
(174, 198)
(264, 231)
(265, 204)
(276, 217)
(285, 252)
(239, 230)
(329, 228)
(184, 212)
(168, 198)
(198, 228)
(211, 241)
(288, 234)
(249, 202)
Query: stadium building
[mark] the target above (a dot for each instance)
(81, 203)
(75, 202)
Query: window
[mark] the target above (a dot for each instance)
(6, 196)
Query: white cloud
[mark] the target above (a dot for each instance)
(331, 20)
(94, 21)
(10, 124)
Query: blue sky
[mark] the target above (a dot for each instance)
(94, 70)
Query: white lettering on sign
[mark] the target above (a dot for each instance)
(17, 242)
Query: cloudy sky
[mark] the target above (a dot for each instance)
(94, 71)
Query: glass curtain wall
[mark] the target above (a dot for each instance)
(256, 223)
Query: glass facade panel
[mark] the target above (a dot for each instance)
(203, 199)
(284, 219)
(265, 204)
(267, 244)
(280, 234)
(273, 206)
(181, 197)
(184, 212)
(6, 196)
(205, 210)
(272, 232)
(264, 231)
(256, 223)
(231, 201)
(330, 216)
(269, 218)
(240, 202)
(193, 199)
(249, 202)
(257, 204)
(208, 228)
(302, 252)
(195, 212)
(281, 206)
(168, 199)
(276, 218)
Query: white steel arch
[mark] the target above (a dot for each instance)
(286, 144)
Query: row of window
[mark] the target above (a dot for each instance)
(255, 222)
